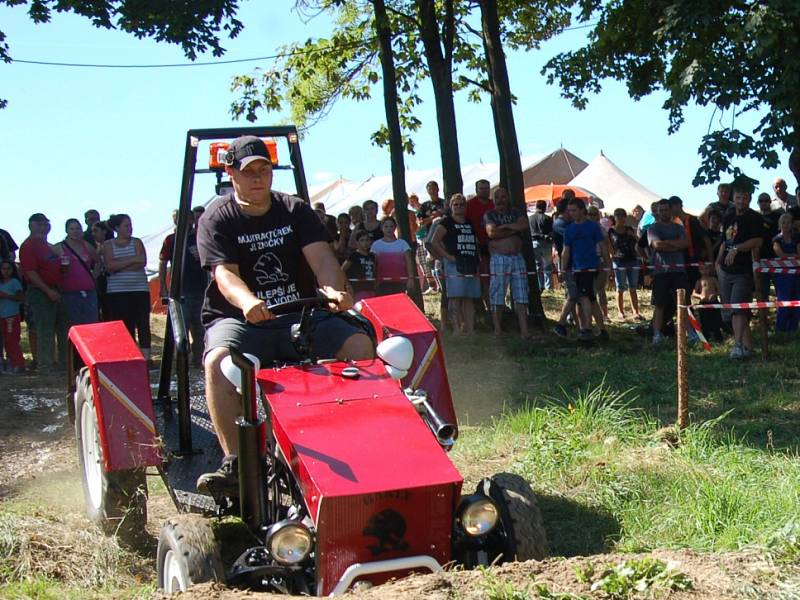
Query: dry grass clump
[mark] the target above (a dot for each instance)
(39, 546)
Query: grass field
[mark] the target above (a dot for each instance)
(590, 427)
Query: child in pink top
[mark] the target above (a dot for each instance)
(10, 298)
(395, 260)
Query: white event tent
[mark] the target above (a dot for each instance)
(613, 186)
(340, 194)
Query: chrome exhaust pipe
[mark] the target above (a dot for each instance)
(444, 432)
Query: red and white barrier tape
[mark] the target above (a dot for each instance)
(697, 329)
(744, 305)
(736, 305)
(777, 262)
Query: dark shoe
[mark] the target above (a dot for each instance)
(560, 330)
(222, 482)
(585, 335)
(603, 335)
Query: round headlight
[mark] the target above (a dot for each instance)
(479, 517)
(290, 544)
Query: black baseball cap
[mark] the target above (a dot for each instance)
(246, 149)
(38, 217)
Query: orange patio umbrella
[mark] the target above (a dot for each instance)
(551, 193)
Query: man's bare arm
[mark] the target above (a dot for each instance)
(329, 274)
(235, 291)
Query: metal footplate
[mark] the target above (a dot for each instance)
(182, 471)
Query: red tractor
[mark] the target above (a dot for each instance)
(344, 477)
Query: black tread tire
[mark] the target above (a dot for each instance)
(122, 510)
(519, 515)
(195, 548)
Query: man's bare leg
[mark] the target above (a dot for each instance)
(468, 312)
(357, 347)
(224, 405)
(497, 313)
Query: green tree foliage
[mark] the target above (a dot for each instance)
(740, 56)
(195, 26)
(310, 76)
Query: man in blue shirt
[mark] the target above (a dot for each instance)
(583, 242)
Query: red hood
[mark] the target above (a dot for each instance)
(346, 437)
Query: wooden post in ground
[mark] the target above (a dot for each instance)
(683, 366)
(762, 322)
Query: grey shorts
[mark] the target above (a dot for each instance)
(271, 342)
(735, 288)
(568, 281)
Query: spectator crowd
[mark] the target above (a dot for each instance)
(472, 250)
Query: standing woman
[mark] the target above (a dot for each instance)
(100, 233)
(77, 276)
(455, 243)
(128, 296)
(786, 245)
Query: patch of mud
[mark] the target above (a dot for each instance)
(35, 433)
(714, 577)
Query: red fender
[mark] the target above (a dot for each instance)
(122, 398)
(396, 314)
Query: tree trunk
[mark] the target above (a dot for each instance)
(384, 33)
(508, 147)
(440, 66)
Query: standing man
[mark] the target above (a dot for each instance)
(504, 226)
(769, 230)
(42, 267)
(698, 248)
(90, 217)
(724, 203)
(194, 283)
(541, 225)
(741, 240)
(783, 200)
(477, 207)
(668, 241)
(584, 243)
(427, 212)
(257, 244)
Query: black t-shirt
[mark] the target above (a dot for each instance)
(696, 235)
(541, 226)
(195, 278)
(769, 231)
(426, 209)
(460, 241)
(623, 245)
(362, 266)
(737, 229)
(374, 234)
(716, 242)
(11, 244)
(266, 248)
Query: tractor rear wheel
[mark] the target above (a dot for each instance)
(188, 554)
(520, 518)
(115, 501)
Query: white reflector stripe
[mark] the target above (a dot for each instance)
(424, 364)
(126, 402)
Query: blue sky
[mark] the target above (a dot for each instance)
(113, 139)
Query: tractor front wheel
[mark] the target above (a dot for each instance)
(117, 500)
(188, 554)
(520, 518)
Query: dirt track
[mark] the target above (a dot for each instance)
(39, 461)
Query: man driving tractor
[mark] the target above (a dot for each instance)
(259, 245)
